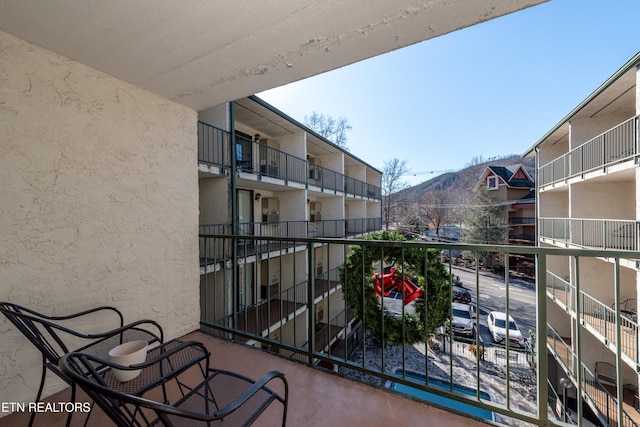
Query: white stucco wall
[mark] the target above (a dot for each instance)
(582, 130)
(549, 152)
(294, 144)
(554, 204)
(616, 200)
(215, 206)
(217, 116)
(98, 202)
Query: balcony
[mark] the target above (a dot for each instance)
(522, 220)
(268, 164)
(615, 146)
(278, 305)
(342, 345)
(607, 234)
(216, 253)
(318, 398)
(213, 146)
(600, 397)
(598, 318)
(496, 377)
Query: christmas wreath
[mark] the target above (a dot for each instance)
(410, 261)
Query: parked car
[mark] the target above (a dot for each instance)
(460, 294)
(462, 319)
(497, 322)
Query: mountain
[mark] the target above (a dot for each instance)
(460, 183)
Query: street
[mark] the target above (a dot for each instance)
(492, 297)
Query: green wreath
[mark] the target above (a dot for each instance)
(358, 279)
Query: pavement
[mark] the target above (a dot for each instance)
(461, 367)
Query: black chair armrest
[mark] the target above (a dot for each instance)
(101, 363)
(92, 374)
(257, 386)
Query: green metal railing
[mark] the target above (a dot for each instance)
(309, 229)
(598, 317)
(561, 290)
(603, 403)
(213, 145)
(605, 234)
(613, 146)
(282, 318)
(268, 162)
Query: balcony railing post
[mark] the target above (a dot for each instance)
(541, 344)
(286, 169)
(310, 299)
(578, 331)
(619, 390)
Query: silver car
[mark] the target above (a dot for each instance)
(462, 319)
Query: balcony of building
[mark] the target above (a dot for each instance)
(597, 393)
(259, 162)
(335, 342)
(610, 152)
(330, 336)
(522, 220)
(319, 397)
(214, 155)
(605, 234)
(599, 318)
(215, 254)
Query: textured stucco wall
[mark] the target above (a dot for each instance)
(98, 202)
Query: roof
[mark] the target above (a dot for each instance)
(204, 53)
(612, 95)
(514, 176)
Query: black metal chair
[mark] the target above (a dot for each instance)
(208, 396)
(53, 339)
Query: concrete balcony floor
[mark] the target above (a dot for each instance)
(316, 398)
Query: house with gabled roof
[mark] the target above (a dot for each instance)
(514, 187)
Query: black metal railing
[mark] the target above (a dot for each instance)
(213, 145)
(265, 161)
(283, 317)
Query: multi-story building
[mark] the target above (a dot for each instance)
(512, 187)
(588, 187)
(99, 111)
(278, 178)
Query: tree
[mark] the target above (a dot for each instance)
(335, 130)
(437, 210)
(485, 223)
(392, 183)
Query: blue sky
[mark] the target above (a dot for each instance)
(489, 90)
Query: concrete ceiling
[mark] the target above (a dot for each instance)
(616, 96)
(202, 53)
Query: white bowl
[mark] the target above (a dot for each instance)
(127, 354)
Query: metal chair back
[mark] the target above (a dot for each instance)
(215, 397)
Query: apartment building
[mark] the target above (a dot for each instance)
(278, 178)
(588, 188)
(513, 188)
(99, 131)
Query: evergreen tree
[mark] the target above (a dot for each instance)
(486, 223)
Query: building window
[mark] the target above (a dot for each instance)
(492, 182)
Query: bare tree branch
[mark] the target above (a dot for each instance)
(335, 130)
(392, 183)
